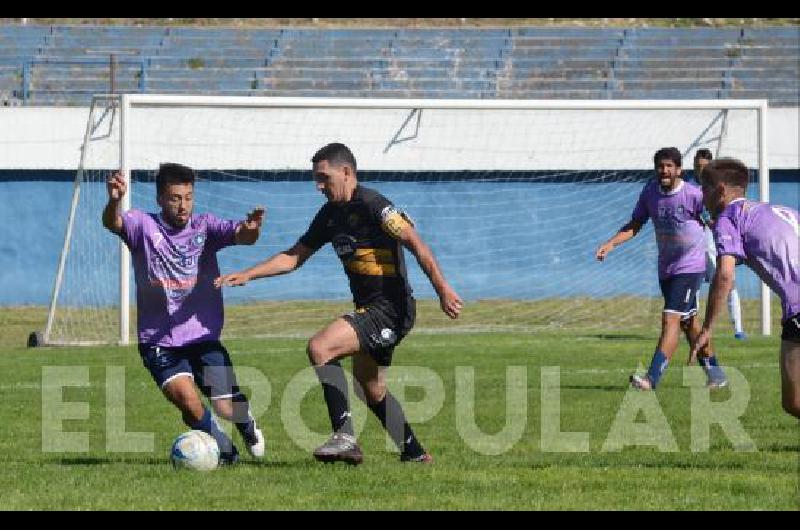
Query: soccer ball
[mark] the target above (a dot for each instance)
(195, 450)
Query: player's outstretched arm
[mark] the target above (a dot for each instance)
(249, 230)
(449, 300)
(116, 187)
(625, 233)
(720, 287)
(281, 263)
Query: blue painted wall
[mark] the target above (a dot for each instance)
(509, 240)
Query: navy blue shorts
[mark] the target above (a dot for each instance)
(680, 293)
(208, 363)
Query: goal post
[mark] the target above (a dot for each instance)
(513, 195)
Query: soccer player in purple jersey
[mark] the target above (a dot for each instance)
(368, 234)
(675, 207)
(180, 312)
(766, 238)
(701, 159)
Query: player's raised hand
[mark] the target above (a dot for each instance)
(450, 302)
(603, 251)
(702, 340)
(116, 185)
(255, 218)
(234, 279)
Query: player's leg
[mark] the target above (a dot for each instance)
(735, 312)
(173, 373)
(790, 366)
(734, 306)
(370, 387)
(790, 377)
(680, 296)
(380, 329)
(325, 349)
(716, 376)
(181, 392)
(667, 345)
(216, 378)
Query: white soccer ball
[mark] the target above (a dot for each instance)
(195, 450)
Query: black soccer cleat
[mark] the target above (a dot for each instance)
(424, 458)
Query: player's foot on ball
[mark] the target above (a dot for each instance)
(340, 447)
(740, 336)
(256, 445)
(642, 382)
(424, 458)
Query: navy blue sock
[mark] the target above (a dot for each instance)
(657, 367)
(242, 418)
(712, 368)
(394, 421)
(208, 425)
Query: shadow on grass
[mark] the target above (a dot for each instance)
(164, 461)
(674, 464)
(607, 388)
(782, 448)
(615, 336)
(95, 461)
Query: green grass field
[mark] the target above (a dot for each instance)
(594, 366)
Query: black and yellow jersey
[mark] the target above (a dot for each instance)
(364, 234)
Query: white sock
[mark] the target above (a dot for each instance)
(735, 310)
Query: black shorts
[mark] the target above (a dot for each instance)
(791, 329)
(381, 325)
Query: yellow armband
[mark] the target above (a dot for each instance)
(394, 221)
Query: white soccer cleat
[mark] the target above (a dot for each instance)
(714, 384)
(642, 382)
(257, 449)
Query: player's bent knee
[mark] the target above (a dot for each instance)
(183, 396)
(317, 352)
(374, 393)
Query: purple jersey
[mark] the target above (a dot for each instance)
(175, 269)
(765, 237)
(679, 233)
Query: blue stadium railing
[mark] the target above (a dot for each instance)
(27, 65)
(451, 62)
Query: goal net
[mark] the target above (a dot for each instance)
(513, 197)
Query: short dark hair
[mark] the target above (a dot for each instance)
(171, 173)
(670, 153)
(703, 153)
(336, 154)
(727, 171)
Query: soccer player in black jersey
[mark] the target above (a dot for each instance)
(367, 232)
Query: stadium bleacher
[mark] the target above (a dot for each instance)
(65, 65)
